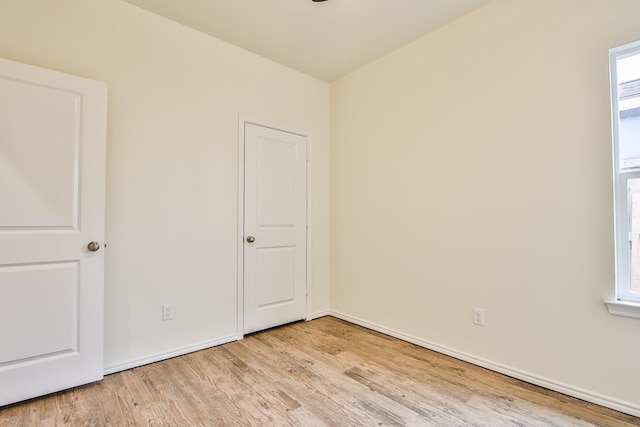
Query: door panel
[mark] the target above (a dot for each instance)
(275, 182)
(40, 156)
(52, 178)
(56, 286)
(275, 289)
(275, 276)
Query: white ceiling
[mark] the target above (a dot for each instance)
(326, 39)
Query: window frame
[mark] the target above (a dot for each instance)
(625, 303)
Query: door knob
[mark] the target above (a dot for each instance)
(93, 246)
(251, 239)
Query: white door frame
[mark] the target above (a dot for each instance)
(240, 240)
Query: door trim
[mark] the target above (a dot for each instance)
(243, 120)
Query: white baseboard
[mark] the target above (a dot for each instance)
(585, 395)
(167, 355)
(319, 314)
(186, 350)
(588, 396)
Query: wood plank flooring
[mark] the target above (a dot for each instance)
(324, 372)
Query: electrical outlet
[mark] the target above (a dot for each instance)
(167, 312)
(478, 316)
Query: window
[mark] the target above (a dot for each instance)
(624, 65)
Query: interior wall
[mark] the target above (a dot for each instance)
(472, 168)
(174, 99)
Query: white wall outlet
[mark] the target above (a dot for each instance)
(167, 311)
(478, 316)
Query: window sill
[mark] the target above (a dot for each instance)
(622, 308)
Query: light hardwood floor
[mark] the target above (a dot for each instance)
(324, 372)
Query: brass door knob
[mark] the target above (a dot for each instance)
(251, 239)
(93, 246)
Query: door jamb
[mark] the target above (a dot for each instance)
(243, 120)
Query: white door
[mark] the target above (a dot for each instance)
(275, 227)
(52, 188)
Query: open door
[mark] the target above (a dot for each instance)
(52, 192)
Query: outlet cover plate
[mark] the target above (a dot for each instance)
(167, 311)
(478, 316)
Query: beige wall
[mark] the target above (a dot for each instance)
(174, 99)
(471, 168)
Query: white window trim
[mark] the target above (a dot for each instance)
(622, 308)
(624, 304)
